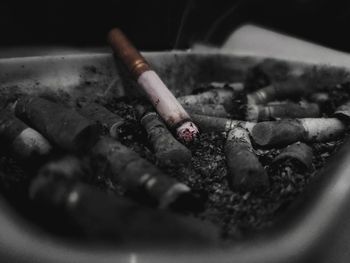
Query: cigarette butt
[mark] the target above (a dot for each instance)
(277, 91)
(23, 142)
(299, 153)
(215, 110)
(63, 126)
(80, 208)
(224, 96)
(343, 111)
(282, 111)
(245, 171)
(96, 112)
(168, 151)
(139, 177)
(160, 96)
(285, 132)
(215, 124)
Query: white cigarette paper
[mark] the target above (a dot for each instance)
(322, 129)
(167, 105)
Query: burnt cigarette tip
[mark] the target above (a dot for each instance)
(187, 132)
(263, 133)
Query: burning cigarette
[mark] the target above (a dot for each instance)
(63, 126)
(284, 132)
(23, 142)
(300, 154)
(160, 96)
(215, 110)
(168, 151)
(111, 121)
(245, 171)
(281, 111)
(138, 176)
(214, 124)
(224, 96)
(278, 91)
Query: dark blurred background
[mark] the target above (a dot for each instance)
(159, 25)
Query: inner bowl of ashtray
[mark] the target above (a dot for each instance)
(294, 215)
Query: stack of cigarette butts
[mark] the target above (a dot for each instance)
(276, 116)
(37, 131)
(66, 146)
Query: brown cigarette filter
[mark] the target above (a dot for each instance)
(300, 154)
(22, 141)
(139, 177)
(245, 173)
(125, 50)
(285, 132)
(215, 124)
(284, 90)
(168, 151)
(96, 112)
(159, 95)
(63, 126)
(282, 111)
(215, 110)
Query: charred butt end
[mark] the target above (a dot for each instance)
(187, 132)
(61, 125)
(109, 120)
(245, 172)
(343, 112)
(299, 154)
(162, 190)
(277, 133)
(168, 151)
